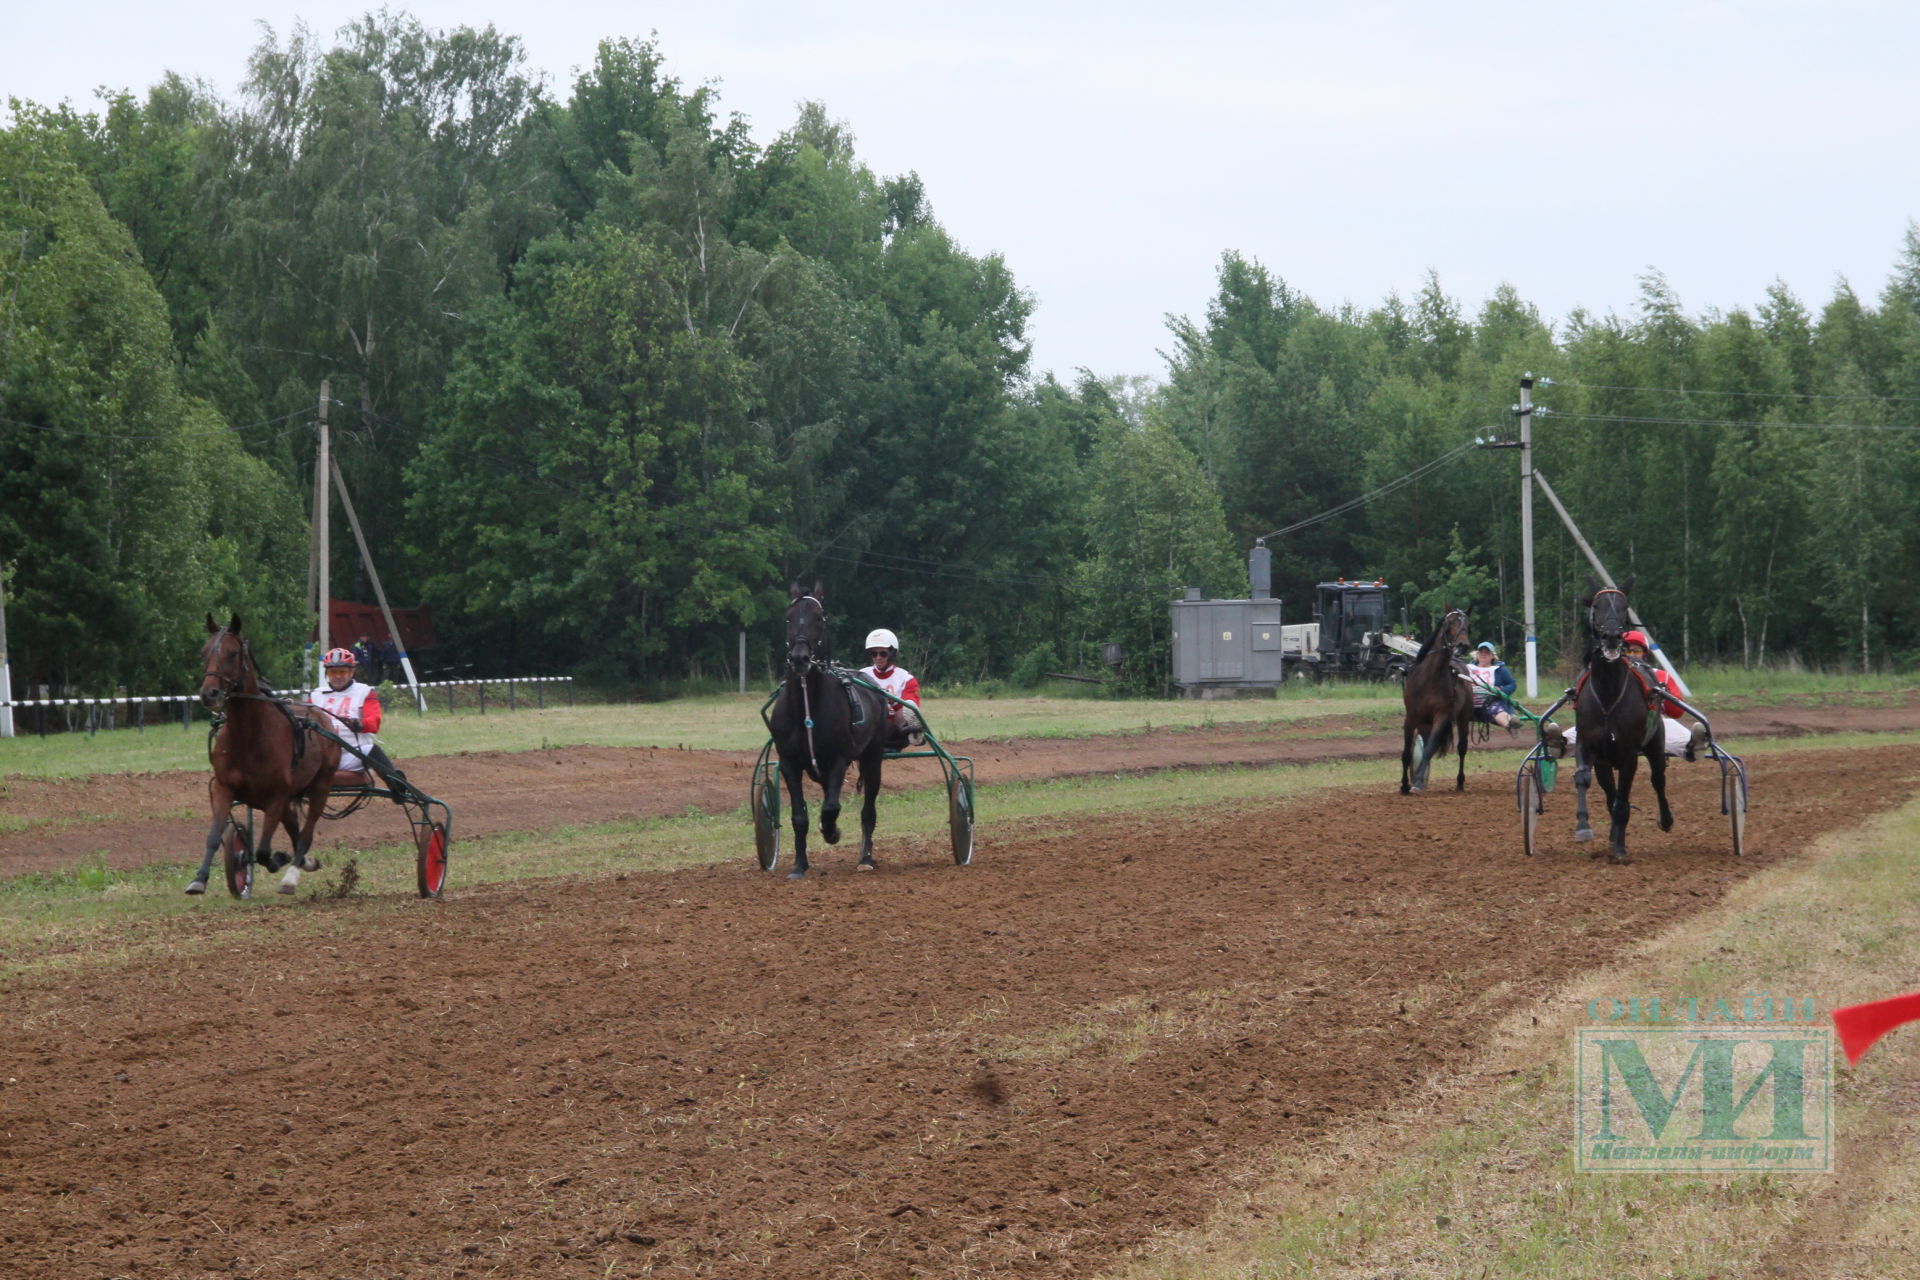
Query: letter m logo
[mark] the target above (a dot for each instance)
(1704, 1098)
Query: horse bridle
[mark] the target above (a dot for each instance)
(229, 693)
(813, 661)
(1610, 641)
(228, 686)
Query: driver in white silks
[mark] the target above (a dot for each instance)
(1680, 740)
(903, 721)
(353, 711)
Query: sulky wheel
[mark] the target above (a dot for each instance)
(1531, 795)
(960, 818)
(766, 816)
(236, 855)
(1733, 803)
(432, 843)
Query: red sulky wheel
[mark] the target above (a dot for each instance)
(430, 862)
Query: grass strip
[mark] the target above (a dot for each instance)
(729, 722)
(1481, 1180)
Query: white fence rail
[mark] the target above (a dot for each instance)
(106, 713)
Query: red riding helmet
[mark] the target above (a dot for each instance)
(339, 658)
(1635, 637)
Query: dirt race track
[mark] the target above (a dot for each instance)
(1032, 1066)
(126, 820)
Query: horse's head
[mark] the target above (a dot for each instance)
(1453, 630)
(227, 663)
(806, 628)
(1607, 617)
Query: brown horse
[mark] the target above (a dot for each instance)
(1439, 703)
(263, 756)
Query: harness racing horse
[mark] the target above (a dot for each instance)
(1439, 704)
(263, 757)
(822, 722)
(1618, 720)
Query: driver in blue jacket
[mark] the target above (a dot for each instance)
(1493, 686)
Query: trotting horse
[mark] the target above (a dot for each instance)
(1439, 703)
(1618, 720)
(821, 723)
(263, 757)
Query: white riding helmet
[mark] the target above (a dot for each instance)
(882, 639)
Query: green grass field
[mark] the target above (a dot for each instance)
(732, 721)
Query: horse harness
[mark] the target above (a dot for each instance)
(299, 724)
(840, 675)
(1649, 688)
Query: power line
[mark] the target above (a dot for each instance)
(1353, 504)
(1701, 391)
(163, 435)
(1721, 422)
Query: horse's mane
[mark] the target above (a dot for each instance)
(1432, 639)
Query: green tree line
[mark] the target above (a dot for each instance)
(607, 373)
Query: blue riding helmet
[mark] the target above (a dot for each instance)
(1488, 646)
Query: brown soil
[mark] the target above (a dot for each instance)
(113, 817)
(1032, 1066)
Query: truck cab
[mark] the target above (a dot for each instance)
(1353, 619)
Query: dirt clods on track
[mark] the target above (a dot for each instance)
(1027, 1067)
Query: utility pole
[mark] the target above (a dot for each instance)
(6, 673)
(1500, 440)
(379, 592)
(1606, 579)
(1526, 531)
(323, 501)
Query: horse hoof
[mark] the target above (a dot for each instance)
(1620, 860)
(796, 875)
(1416, 791)
(309, 863)
(864, 866)
(830, 834)
(1583, 834)
(287, 888)
(197, 888)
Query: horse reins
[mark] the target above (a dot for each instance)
(296, 723)
(1607, 708)
(806, 699)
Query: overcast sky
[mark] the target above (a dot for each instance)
(1111, 152)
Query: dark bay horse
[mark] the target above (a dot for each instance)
(1618, 722)
(1439, 703)
(263, 757)
(821, 723)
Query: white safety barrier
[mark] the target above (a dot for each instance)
(103, 713)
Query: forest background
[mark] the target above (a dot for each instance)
(607, 374)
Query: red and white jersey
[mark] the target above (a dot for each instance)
(355, 702)
(898, 681)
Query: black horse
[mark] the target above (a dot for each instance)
(1618, 719)
(821, 723)
(1439, 703)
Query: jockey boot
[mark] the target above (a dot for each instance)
(1696, 739)
(1556, 740)
(396, 781)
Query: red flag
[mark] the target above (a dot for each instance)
(1860, 1025)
